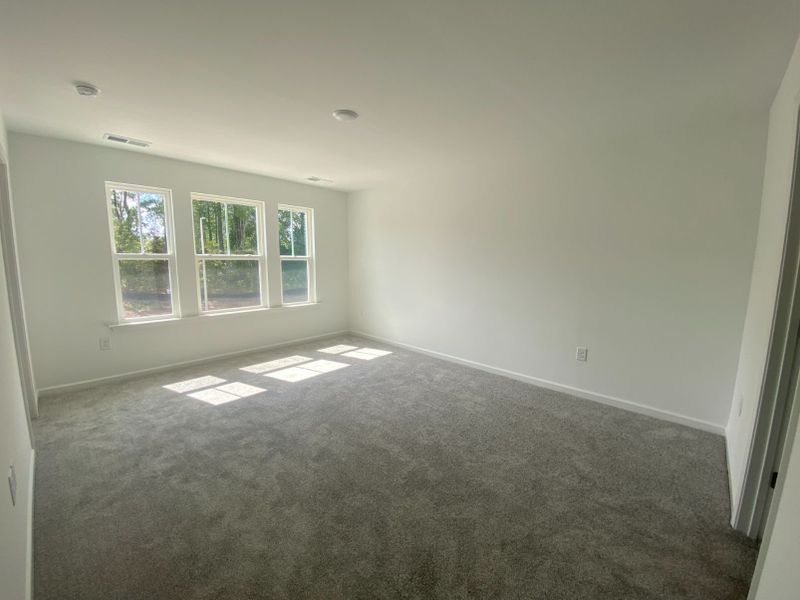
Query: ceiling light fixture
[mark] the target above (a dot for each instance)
(316, 179)
(86, 89)
(345, 114)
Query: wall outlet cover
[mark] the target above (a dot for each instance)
(105, 343)
(581, 353)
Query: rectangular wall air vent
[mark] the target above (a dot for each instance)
(121, 139)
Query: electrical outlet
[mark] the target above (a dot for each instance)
(581, 353)
(12, 484)
(105, 343)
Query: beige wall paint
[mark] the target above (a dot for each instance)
(639, 248)
(15, 448)
(67, 278)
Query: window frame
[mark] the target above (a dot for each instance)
(310, 256)
(169, 256)
(261, 257)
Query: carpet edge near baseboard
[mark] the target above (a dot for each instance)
(584, 394)
(88, 383)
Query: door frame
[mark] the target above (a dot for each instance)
(15, 298)
(780, 375)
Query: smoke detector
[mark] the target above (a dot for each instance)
(122, 139)
(86, 89)
(345, 114)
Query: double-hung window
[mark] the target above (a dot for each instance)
(296, 233)
(143, 251)
(229, 252)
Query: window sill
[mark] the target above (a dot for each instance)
(126, 324)
(296, 305)
(210, 315)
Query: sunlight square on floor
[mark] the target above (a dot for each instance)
(360, 355)
(324, 366)
(194, 384)
(280, 363)
(337, 349)
(213, 396)
(242, 390)
(374, 351)
(293, 374)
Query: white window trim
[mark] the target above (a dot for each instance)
(309, 258)
(169, 256)
(261, 237)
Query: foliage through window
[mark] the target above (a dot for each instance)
(229, 254)
(140, 221)
(296, 249)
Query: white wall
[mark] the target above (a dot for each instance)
(777, 576)
(15, 447)
(640, 249)
(765, 275)
(64, 253)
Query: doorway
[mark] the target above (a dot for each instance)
(781, 377)
(11, 267)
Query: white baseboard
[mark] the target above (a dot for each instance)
(29, 558)
(560, 387)
(87, 383)
(551, 385)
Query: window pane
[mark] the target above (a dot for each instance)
(242, 231)
(125, 217)
(154, 229)
(145, 288)
(299, 231)
(209, 227)
(285, 229)
(294, 277)
(229, 284)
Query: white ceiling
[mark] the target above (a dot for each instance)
(439, 83)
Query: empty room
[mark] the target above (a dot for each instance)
(337, 299)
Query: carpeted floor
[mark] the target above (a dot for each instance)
(399, 476)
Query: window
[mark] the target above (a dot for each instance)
(144, 258)
(296, 226)
(229, 252)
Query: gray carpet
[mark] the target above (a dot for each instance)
(398, 477)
